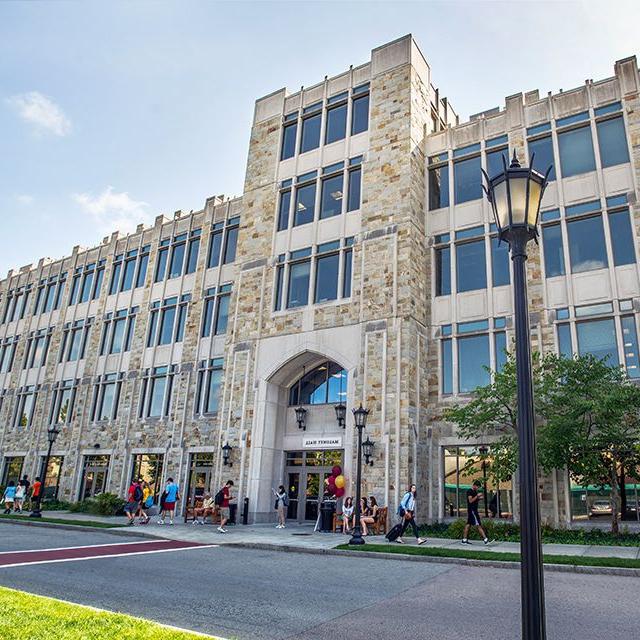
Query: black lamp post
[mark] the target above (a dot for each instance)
(52, 434)
(367, 451)
(360, 418)
(226, 455)
(301, 414)
(483, 452)
(515, 196)
(341, 414)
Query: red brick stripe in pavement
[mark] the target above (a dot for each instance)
(81, 553)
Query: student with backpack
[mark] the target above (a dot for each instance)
(222, 500)
(406, 511)
(171, 496)
(134, 496)
(282, 502)
(145, 503)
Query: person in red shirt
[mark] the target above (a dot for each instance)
(224, 497)
(36, 490)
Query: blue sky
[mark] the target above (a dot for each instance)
(111, 113)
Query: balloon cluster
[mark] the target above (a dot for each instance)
(335, 482)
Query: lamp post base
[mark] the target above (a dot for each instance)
(35, 514)
(356, 538)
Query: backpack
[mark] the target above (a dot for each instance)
(137, 493)
(218, 500)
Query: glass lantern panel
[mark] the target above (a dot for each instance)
(501, 205)
(518, 188)
(535, 195)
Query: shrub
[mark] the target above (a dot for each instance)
(55, 505)
(104, 504)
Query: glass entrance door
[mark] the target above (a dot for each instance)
(200, 470)
(293, 490)
(94, 477)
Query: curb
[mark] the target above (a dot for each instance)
(120, 531)
(470, 562)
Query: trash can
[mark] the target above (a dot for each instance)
(327, 509)
(233, 508)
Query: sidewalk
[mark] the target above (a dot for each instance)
(303, 537)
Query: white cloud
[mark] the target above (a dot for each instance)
(25, 199)
(40, 112)
(113, 211)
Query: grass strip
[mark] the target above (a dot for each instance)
(438, 552)
(35, 617)
(79, 523)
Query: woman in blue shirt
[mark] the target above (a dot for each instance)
(9, 496)
(408, 512)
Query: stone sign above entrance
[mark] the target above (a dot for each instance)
(321, 443)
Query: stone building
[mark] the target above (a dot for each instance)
(360, 265)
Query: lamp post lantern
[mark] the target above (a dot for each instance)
(52, 434)
(360, 419)
(515, 196)
(367, 451)
(341, 414)
(226, 455)
(301, 415)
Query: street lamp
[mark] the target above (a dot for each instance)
(301, 414)
(483, 452)
(515, 196)
(52, 434)
(341, 414)
(226, 454)
(367, 451)
(360, 419)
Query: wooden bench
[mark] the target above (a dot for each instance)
(378, 528)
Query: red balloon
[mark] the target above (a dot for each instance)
(336, 471)
(339, 492)
(332, 483)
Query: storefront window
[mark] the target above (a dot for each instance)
(148, 466)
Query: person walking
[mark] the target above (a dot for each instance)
(407, 511)
(27, 495)
(282, 502)
(36, 494)
(172, 495)
(473, 517)
(134, 496)
(222, 500)
(145, 503)
(21, 493)
(8, 497)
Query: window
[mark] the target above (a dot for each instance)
(223, 234)
(612, 141)
(215, 245)
(161, 266)
(473, 357)
(231, 240)
(587, 247)
(439, 183)
(7, 353)
(115, 274)
(177, 256)
(18, 302)
(279, 284)
(156, 393)
(289, 132)
(50, 477)
(74, 340)
(553, 252)
(500, 346)
(565, 343)
(216, 310)
(336, 126)
(576, 152)
(143, 263)
(37, 349)
(48, 296)
(298, 286)
(359, 111)
(471, 266)
(598, 337)
(148, 466)
(326, 384)
(305, 204)
(443, 266)
(355, 187)
(163, 328)
(467, 180)
(494, 161)
(283, 209)
(331, 196)
(500, 274)
(630, 346)
(12, 469)
(208, 389)
(25, 404)
(326, 285)
(621, 238)
(543, 158)
(346, 272)
(447, 366)
(117, 331)
(106, 397)
(62, 403)
(128, 273)
(310, 138)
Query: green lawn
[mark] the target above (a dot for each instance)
(27, 617)
(492, 555)
(83, 523)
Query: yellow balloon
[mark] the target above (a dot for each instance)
(340, 482)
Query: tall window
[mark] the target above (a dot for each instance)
(87, 282)
(62, 402)
(305, 202)
(289, 131)
(587, 247)
(354, 176)
(155, 399)
(167, 320)
(497, 153)
(500, 274)
(216, 311)
(106, 397)
(7, 353)
(37, 348)
(471, 267)
(360, 109)
(48, 295)
(543, 158)
(284, 206)
(231, 241)
(336, 125)
(331, 195)
(17, 305)
(223, 241)
(208, 387)
(117, 331)
(161, 264)
(438, 181)
(443, 264)
(612, 141)
(621, 237)
(311, 122)
(553, 251)
(129, 270)
(326, 384)
(467, 175)
(25, 405)
(74, 340)
(576, 151)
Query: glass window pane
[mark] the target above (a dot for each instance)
(192, 259)
(115, 278)
(346, 275)
(182, 317)
(310, 133)
(153, 325)
(166, 325)
(298, 294)
(576, 152)
(439, 187)
(283, 212)
(447, 367)
(471, 266)
(313, 386)
(118, 335)
(443, 271)
(327, 278)
(337, 384)
(109, 393)
(86, 288)
(598, 338)
(27, 410)
(74, 348)
(277, 304)
(565, 346)
(621, 238)
(467, 180)
(586, 244)
(215, 246)
(331, 197)
(157, 397)
(553, 254)
(336, 124)
(543, 149)
(500, 344)
(305, 204)
(360, 115)
(72, 297)
(51, 296)
(162, 264)
(494, 162)
(613, 142)
(355, 179)
(177, 260)
(127, 276)
(630, 346)
(208, 317)
(213, 392)
(142, 271)
(289, 141)
(230, 245)
(500, 263)
(473, 357)
(63, 407)
(222, 315)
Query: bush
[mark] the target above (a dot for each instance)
(104, 504)
(55, 505)
(510, 532)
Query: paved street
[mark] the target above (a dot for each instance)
(249, 594)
